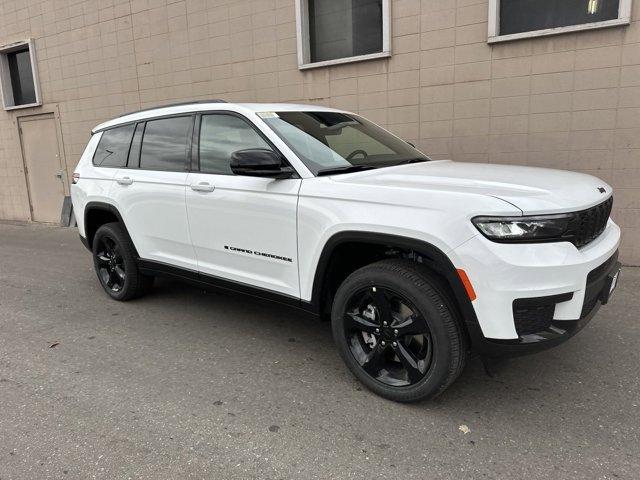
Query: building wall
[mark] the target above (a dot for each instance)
(571, 101)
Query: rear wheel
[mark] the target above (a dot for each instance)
(116, 265)
(397, 332)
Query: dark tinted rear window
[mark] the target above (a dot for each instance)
(113, 147)
(165, 143)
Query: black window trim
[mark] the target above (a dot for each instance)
(144, 127)
(192, 163)
(188, 146)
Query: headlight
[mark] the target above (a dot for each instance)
(524, 229)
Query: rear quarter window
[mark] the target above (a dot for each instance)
(165, 144)
(113, 148)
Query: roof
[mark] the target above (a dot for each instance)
(208, 105)
(285, 107)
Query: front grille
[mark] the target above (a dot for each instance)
(587, 225)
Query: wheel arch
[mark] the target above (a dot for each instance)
(421, 251)
(97, 214)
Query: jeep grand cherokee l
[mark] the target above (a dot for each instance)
(416, 262)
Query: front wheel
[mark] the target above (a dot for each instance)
(397, 332)
(116, 265)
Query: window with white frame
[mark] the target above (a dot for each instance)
(19, 76)
(340, 31)
(514, 19)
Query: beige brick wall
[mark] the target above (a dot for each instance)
(570, 101)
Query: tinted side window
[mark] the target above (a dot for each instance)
(220, 136)
(165, 144)
(113, 147)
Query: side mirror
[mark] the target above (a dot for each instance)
(259, 162)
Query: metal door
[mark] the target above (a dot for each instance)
(43, 168)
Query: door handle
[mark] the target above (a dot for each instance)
(202, 187)
(125, 181)
(59, 174)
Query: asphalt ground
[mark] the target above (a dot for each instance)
(188, 384)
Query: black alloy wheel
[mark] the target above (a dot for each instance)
(116, 263)
(110, 264)
(398, 331)
(388, 336)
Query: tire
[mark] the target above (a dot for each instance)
(419, 358)
(116, 265)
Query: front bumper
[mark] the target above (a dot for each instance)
(534, 296)
(554, 332)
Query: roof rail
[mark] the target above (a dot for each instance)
(179, 104)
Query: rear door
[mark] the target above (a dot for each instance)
(150, 192)
(243, 228)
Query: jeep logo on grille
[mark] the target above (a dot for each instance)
(601, 189)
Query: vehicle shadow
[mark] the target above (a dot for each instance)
(529, 382)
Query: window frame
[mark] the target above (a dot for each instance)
(6, 86)
(303, 40)
(195, 144)
(143, 126)
(624, 18)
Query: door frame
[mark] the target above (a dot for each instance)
(53, 114)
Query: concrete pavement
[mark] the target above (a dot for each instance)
(187, 384)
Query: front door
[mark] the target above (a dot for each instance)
(243, 228)
(43, 167)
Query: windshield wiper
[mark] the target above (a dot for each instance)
(412, 160)
(348, 169)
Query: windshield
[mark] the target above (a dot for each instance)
(327, 141)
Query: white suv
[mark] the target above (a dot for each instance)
(417, 262)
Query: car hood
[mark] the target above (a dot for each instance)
(533, 190)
